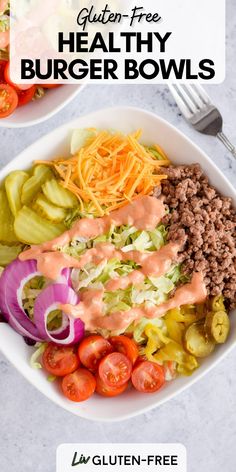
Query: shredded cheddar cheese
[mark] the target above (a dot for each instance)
(111, 170)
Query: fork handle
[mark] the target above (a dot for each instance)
(223, 138)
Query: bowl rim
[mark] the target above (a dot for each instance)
(6, 122)
(202, 371)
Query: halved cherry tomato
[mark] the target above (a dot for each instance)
(148, 377)
(50, 86)
(106, 391)
(25, 96)
(60, 360)
(79, 386)
(8, 100)
(126, 346)
(2, 67)
(115, 369)
(92, 349)
(9, 81)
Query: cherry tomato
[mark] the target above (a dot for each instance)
(50, 86)
(79, 386)
(115, 369)
(8, 100)
(106, 391)
(148, 377)
(2, 67)
(9, 81)
(92, 349)
(60, 360)
(126, 346)
(25, 96)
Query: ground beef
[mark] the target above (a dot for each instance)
(198, 211)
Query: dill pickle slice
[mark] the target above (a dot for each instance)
(32, 186)
(31, 228)
(8, 254)
(7, 233)
(48, 210)
(58, 195)
(13, 184)
(217, 326)
(196, 342)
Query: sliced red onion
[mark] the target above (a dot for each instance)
(49, 300)
(65, 277)
(29, 341)
(4, 309)
(3, 306)
(12, 282)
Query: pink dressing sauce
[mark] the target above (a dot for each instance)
(91, 308)
(51, 264)
(144, 213)
(152, 264)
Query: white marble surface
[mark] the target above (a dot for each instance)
(203, 418)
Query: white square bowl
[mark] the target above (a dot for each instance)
(41, 110)
(181, 151)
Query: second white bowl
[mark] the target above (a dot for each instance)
(41, 110)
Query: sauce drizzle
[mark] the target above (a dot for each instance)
(144, 213)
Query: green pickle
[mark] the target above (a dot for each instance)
(7, 234)
(196, 341)
(13, 184)
(31, 228)
(58, 195)
(8, 254)
(32, 186)
(48, 210)
(217, 326)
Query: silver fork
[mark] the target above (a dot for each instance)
(199, 111)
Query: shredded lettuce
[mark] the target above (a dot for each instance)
(30, 292)
(54, 320)
(95, 276)
(129, 238)
(154, 153)
(124, 237)
(117, 301)
(40, 348)
(115, 268)
(152, 291)
(80, 138)
(90, 274)
(76, 214)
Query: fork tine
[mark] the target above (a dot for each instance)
(201, 92)
(195, 96)
(186, 98)
(181, 104)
